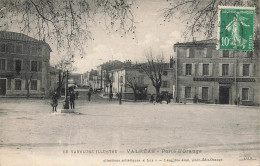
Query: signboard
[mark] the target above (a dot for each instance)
(236, 28)
(223, 80)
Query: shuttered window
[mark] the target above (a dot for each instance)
(246, 69)
(2, 64)
(205, 69)
(188, 69)
(245, 93)
(225, 69)
(33, 84)
(18, 84)
(205, 92)
(187, 92)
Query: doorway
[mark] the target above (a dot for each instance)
(223, 95)
(2, 86)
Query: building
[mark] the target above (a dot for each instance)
(24, 65)
(207, 75)
(132, 75)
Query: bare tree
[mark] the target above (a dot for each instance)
(67, 23)
(200, 16)
(131, 82)
(63, 67)
(154, 69)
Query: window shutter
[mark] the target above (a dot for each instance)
(200, 93)
(210, 69)
(220, 53)
(184, 69)
(210, 89)
(200, 69)
(231, 54)
(168, 84)
(193, 69)
(205, 51)
(38, 85)
(23, 85)
(251, 94)
(39, 65)
(192, 92)
(182, 92)
(240, 93)
(231, 69)
(12, 84)
(220, 69)
(240, 69)
(187, 53)
(251, 69)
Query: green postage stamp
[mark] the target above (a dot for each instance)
(236, 28)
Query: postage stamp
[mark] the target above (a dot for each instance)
(236, 28)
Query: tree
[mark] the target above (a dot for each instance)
(200, 16)
(63, 67)
(131, 82)
(154, 69)
(67, 23)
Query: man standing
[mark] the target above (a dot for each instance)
(54, 102)
(89, 95)
(72, 100)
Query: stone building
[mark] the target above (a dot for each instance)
(122, 78)
(205, 74)
(24, 65)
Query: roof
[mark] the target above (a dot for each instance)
(195, 43)
(6, 35)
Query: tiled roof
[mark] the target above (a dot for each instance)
(209, 41)
(6, 35)
(16, 36)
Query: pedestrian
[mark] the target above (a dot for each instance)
(89, 95)
(72, 100)
(110, 96)
(54, 102)
(117, 96)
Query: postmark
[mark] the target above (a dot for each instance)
(236, 28)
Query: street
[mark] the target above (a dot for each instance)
(29, 128)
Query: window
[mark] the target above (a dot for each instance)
(206, 69)
(18, 84)
(2, 64)
(205, 93)
(18, 66)
(18, 49)
(225, 54)
(10, 48)
(165, 73)
(245, 69)
(33, 84)
(225, 70)
(188, 69)
(33, 65)
(187, 92)
(121, 79)
(2, 47)
(245, 92)
(165, 84)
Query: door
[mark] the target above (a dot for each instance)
(2, 86)
(223, 95)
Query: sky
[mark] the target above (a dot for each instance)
(152, 33)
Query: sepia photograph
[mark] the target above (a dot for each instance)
(129, 82)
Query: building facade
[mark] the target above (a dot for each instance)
(124, 77)
(207, 75)
(24, 65)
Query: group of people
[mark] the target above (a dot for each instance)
(159, 98)
(72, 97)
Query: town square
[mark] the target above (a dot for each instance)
(129, 82)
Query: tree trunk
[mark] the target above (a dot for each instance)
(134, 94)
(157, 90)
